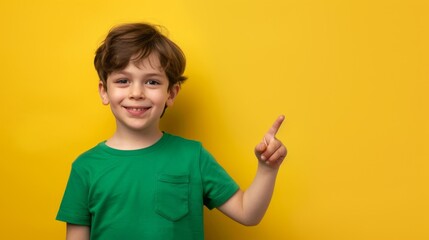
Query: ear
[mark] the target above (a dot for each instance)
(103, 93)
(172, 94)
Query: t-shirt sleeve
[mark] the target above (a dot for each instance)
(218, 185)
(74, 206)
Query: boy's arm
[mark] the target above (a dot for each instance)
(77, 232)
(248, 207)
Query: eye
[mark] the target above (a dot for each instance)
(152, 82)
(122, 81)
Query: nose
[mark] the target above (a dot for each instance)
(136, 91)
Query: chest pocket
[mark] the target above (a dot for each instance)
(172, 196)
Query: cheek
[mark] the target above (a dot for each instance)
(117, 95)
(158, 96)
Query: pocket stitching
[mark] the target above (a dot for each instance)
(168, 185)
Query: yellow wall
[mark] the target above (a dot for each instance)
(350, 76)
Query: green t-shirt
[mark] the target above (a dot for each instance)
(153, 193)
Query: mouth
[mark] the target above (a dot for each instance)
(136, 110)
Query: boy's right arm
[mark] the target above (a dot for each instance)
(77, 232)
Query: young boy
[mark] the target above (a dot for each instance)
(143, 183)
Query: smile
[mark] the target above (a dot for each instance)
(136, 110)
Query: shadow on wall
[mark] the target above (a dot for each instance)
(218, 226)
(181, 118)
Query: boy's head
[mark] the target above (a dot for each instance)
(135, 42)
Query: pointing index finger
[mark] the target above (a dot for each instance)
(276, 126)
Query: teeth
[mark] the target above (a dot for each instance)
(136, 109)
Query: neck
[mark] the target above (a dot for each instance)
(130, 140)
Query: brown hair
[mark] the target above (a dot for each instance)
(135, 42)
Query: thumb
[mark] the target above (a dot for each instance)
(260, 148)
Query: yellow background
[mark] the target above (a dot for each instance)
(350, 76)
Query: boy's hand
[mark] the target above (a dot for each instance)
(270, 150)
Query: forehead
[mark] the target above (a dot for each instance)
(150, 62)
(149, 65)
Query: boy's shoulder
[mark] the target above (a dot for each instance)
(90, 155)
(175, 140)
(176, 145)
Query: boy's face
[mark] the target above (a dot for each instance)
(138, 94)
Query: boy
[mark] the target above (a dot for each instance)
(143, 183)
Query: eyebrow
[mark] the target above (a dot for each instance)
(146, 75)
(154, 75)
